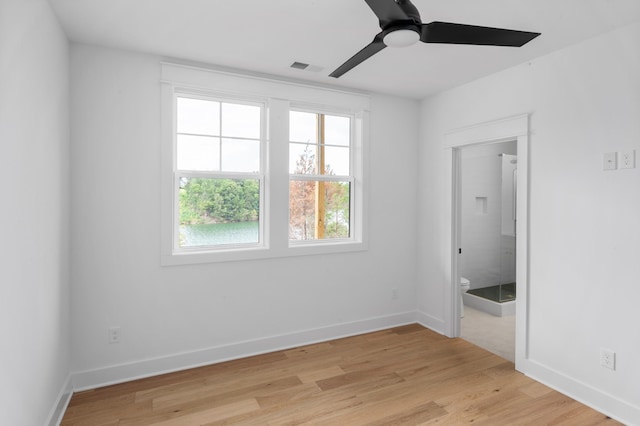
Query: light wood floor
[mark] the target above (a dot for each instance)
(407, 375)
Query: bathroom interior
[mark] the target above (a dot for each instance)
(487, 263)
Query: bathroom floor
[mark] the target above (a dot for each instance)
(495, 334)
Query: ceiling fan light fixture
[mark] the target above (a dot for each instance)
(401, 38)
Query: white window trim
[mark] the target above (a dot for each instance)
(279, 97)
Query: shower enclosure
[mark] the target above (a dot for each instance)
(488, 196)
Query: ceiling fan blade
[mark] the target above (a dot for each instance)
(446, 32)
(368, 51)
(387, 11)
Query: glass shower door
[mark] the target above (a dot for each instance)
(507, 287)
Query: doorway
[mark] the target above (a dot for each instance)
(506, 130)
(487, 252)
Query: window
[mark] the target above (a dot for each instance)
(219, 185)
(320, 183)
(256, 168)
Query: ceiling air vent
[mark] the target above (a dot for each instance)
(306, 67)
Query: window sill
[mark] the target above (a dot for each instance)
(256, 253)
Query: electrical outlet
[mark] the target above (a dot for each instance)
(608, 358)
(610, 161)
(114, 335)
(395, 293)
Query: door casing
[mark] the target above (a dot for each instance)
(509, 129)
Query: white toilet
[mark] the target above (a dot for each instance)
(464, 286)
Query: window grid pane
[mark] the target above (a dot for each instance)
(336, 160)
(337, 130)
(200, 153)
(240, 121)
(240, 155)
(302, 127)
(302, 158)
(198, 117)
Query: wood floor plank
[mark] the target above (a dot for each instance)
(406, 375)
(325, 373)
(221, 394)
(212, 414)
(289, 396)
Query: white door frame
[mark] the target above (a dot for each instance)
(509, 129)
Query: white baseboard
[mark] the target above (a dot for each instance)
(90, 379)
(430, 322)
(617, 409)
(61, 403)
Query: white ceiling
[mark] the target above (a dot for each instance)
(265, 37)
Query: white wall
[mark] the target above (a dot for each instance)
(584, 229)
(172, 317)
(488, 257)
(34, 254)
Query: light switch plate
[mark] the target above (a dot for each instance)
(628, 159)
(609, 161)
